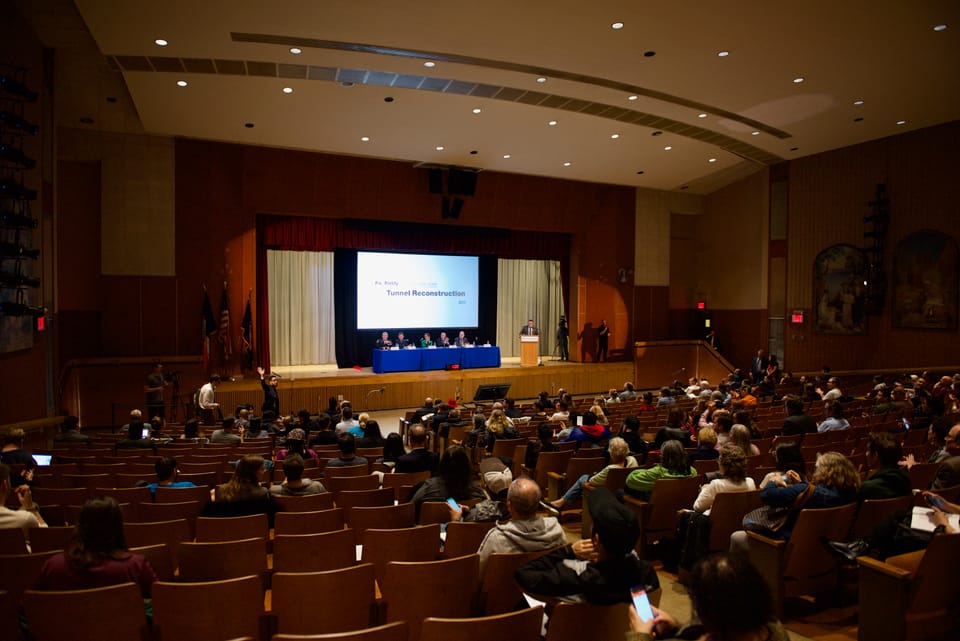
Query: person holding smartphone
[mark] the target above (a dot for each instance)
(729, 596)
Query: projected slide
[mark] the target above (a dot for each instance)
(411, 291)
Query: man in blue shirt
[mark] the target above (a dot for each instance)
(167, 472)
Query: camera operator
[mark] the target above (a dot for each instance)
(153, 388)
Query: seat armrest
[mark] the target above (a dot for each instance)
(872, 565)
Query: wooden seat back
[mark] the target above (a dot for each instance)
(523, 625)
(726, 516)
(348, 594)
(176, 614)
(114, 612)
(308, 522)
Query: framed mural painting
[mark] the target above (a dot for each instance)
(925, 279)
(839, 272)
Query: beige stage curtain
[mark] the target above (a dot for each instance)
(301, 307)
(528, 289)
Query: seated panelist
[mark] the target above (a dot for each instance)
(401, 341)
(444, 340)
(384, 341)
(426, 341)
(461, 340)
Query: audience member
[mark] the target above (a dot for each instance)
(392, 450)
(372, 437)
(835, 421)
(454, 479)
(418, 459)
(619, 458)
(226, 433)
(797, 420)
(70, 432)
(706, 445)
(28, 516)
(887, 480)
(589, 432)
(630, 432)
(325, 435)
(602, 569)
(167, 473)
(347, 422)
(97, 555)
(347, 444)
(293, 482)
(740, 436)
(674, 463)
(733, 478)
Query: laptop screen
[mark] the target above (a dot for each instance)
(43, 459)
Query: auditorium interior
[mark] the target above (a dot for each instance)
(711, 180)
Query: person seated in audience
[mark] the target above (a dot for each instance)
(647, 404)
(135, 438)
(418, 459)
(454, 479)
(835, 482)
(13, 453)
(619, 458)
(743, 417)
(835, 421)
(510, 408)
(496, 478)
(674, 463)
(256, 427)
(392, 450)
(674, 430)
(666, 398)
(730, 599)
(244, 485)
(242, 417)
(787, 456)
(833, 393)
(333, 410)
(28, 516)
(525, 531)
(70, 432)
(97, 555)
(347, 444)
(601, 414)
(797, 420)
(191, 431)
(613, 396)
(740, 436)
(295, 443)
(167, 473)
(589, 433)
(630, 432)
(543, 443)
(706, 445)
(453, 420)
(227, 433)
(325, 434)
(347, 422)
(733, 478)
(628, 392)
(293, 482)
(423, 411)
(372, 437)
(561, 413)
(887, 480)
(940, 434)
(722, 424)
(602, 569)
(948, 474)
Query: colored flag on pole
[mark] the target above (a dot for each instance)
(208, 327)
(246, 336)
(225, 323)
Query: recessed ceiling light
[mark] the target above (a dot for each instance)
(388, 99)
(296, 50)
(541, 80)
(552, 123)
(506, 156)
(617, 25)
(701, 115)
(248, 125)
(712, 160)
(566, 164)
(633, 97)
(640, 173)
(798, 80)
(160, 42)
(667, 148)
(181, 83)
(429, 63)
(723, 54)
(365, 139)
(288, 90)
(476, 110)
(940, 27)
(614, 136)
(657, 133)
(754, 133)
(858, 102)
(858, 119)
(474, 152)
(901, 122)
(794, 148)
(86, 120)
(439, 147)
(649, 54)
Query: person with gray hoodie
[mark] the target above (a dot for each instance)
(525, 531)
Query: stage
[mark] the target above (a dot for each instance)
(309, 387)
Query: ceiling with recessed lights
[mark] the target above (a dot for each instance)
(664, 94)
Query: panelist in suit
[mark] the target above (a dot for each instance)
(461, 340)
(529, 329)
(444, 340)
(401, 340)
(384, 341)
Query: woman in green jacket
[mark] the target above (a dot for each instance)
(674, 463)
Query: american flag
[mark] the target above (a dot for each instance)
(225, 323)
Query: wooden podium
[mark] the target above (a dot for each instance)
(529, 350)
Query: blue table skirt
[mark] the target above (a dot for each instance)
(420, 359)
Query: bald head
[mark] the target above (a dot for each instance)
(523, 498)
(417, 435)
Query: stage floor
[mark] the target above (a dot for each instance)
(309, 387)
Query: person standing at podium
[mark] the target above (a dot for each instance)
(529, 329)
